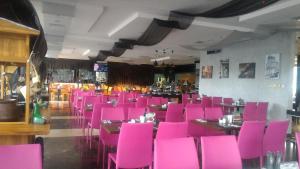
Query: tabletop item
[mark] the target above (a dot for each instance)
(37, 117)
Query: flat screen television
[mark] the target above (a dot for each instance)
(100, 67)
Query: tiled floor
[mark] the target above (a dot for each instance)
(66, 148)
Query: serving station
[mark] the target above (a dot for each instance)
(15, 117)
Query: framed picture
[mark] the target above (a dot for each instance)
(207, 72)
(247, 70)
(224, 68)
(272, 66)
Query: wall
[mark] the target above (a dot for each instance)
(277, 92)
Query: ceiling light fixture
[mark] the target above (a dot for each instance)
(86, 52)
(161, 59)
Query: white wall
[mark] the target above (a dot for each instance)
(277, 92)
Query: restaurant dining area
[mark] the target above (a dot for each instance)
(152, 84)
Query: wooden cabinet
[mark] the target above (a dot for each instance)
(15, 50)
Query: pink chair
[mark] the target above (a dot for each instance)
(174, 113)
(297, 135)
(206, 102)
(194, 130)
(125, 107)
(274, 137)
(249, 111)
(195, 96)
(261, 111)
(250, 139)
(141, 102)
(193, 105)
(104, 99)
(134, 146)
(216, 101)
(220, 152)
(27, 156)
(96, 119)
(185, 99)
(178, 153)
(164, 101)
(229, 101)
(88, 101)
(107, 139)
(169, 130)
(213, 113)
(154, 101)
(192, 113)
(135, 113)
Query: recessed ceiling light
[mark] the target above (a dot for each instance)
(86, 52)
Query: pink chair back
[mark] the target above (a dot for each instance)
(136, 112)
(249, 111)
(154, 101)
(213, 113)
(125, 107)
(88, 100)
(174, 113)
(141, 102)
(216, 101)
(105, 98)
(261, 111)
(185, 98)
(274, 137)
(193, 105)
(27, 156)
(206, 102)
(250, 139)
(164, 101)
(195, 96)
(220, 152)
(228, 110)
(192, 113)
(114, 113)
(184, 156)
(169, 130)
(135, 145)
(97, 113)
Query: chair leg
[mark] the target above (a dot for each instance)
(103, 156)
(91, 137)
(108, 163)
(261, 161)
(87, 136)
(98, 154)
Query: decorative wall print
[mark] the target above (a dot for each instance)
(207, 72)
(247, 70)
(224, 68)
(272, 66)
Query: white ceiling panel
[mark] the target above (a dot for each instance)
(74, 26)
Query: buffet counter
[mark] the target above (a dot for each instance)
(61, 91)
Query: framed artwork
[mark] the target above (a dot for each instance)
(272, 66)
(247, 70)
(224, 68)
(207, 72)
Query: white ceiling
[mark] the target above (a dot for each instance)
(74, 26)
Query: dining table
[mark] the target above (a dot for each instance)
(230, 129)
(114, 126)
(236, 107)
(158, 107)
